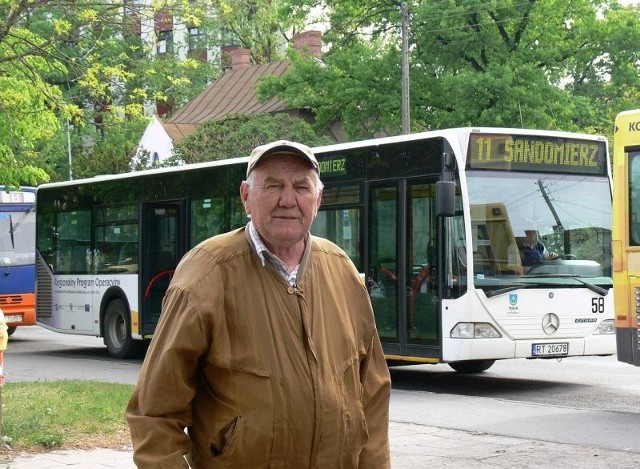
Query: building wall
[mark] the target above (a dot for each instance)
(156, 141)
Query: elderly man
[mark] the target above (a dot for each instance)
(266, 353)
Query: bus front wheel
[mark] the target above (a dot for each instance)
(11, 330)
(117, 331)
(472, 366)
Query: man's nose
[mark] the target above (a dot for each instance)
(287, 196)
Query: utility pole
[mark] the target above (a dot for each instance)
(69, 127)
(406, 120)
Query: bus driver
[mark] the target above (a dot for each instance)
(532, 250)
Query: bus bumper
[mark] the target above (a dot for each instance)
(498, 349)
(19, 309)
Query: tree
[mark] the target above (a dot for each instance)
(238, 135)
(82, 62)
(564, 64)
(27, 101)
(262, 26)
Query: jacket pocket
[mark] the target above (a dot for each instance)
(224, 439)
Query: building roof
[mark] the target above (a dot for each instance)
(233, 93)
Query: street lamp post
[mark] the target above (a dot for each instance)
(406, 122)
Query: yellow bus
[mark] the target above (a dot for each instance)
(626, 234)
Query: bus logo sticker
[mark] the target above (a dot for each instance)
(513, 303)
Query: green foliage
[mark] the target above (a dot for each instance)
(82, 61)
(561, 64)
(27, 106)
(238, 135)
(557, 64)
(108, 149)
(261, 26)
(50, 414)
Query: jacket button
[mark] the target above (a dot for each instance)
(291, 290)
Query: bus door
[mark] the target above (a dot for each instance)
(402, 266)
(163, 235)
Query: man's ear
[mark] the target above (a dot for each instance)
(318, 202)
(244, 196)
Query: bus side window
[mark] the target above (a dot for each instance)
(81, 259)
(128, 254)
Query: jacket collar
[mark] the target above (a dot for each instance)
(259, 249)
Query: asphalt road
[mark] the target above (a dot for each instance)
(590, 401)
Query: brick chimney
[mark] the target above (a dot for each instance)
(309, 42)
(235, 57)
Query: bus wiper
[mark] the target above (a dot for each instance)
(501, 291)
(13, 228)
(11, 231)
(24, 215)
(590, 286)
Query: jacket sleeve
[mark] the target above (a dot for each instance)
(160, 408)
(376, 385)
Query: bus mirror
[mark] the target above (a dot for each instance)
(445, 198)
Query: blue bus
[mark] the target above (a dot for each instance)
(17, 256)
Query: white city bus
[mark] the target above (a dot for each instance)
(434, 221)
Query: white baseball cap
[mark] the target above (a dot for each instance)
(282, 147)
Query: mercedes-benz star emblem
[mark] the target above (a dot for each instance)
(550, 323)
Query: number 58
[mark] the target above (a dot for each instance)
(597, 305)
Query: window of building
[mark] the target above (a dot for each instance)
(165, 42)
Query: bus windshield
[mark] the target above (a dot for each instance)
(513, 211)
(17, 238)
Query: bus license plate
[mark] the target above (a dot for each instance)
(548, 350)
(13, 318)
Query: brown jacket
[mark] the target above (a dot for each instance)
(262, 374)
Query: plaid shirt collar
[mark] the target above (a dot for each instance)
(267, 256)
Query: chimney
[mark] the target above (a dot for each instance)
(309, 42)
(235, 57)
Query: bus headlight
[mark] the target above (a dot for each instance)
(606, 327)
(474, 330)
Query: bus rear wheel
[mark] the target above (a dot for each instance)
(11, 330)
(117, 332)
(472, 366)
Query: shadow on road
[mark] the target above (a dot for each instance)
(443, 381)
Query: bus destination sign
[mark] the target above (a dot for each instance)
(16, 197)
(536, 153)
(334, 166)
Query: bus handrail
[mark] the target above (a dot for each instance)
(154, 279)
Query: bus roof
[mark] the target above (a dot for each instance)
(460, 134)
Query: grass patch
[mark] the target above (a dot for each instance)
(58, 413)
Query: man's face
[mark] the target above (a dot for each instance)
(283, 201)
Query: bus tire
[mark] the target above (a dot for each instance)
(11, 330)
(117, 331)
(472, 366)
